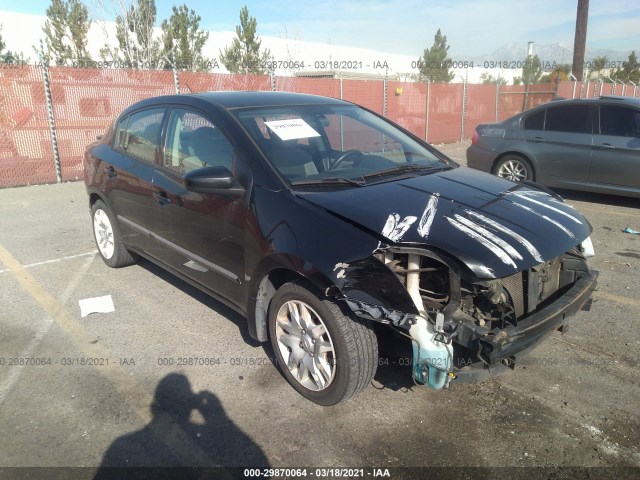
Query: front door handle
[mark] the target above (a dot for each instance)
(161, 198)
(111, 172)
(606, 145)
(539, 139)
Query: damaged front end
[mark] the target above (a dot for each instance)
(462, 327)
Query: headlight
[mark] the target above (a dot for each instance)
(587, 248)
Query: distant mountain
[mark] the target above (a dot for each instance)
(558, 53)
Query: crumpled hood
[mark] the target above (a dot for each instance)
(492, 225)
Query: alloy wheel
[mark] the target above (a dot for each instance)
(305, 345)
(104, 233)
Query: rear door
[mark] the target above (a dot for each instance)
(200, 235)
(129, 170)
(562, 149)
(616, 156)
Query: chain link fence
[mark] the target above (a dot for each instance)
(48, 115)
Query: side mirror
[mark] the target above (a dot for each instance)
(217, 180)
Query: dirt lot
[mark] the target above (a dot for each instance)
(118, 388)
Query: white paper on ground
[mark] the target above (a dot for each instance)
(292, 128)
(96, 305)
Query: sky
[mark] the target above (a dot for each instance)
(472, 27)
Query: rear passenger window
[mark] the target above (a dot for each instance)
(139, 134)
(619, 121)
(568, 118)
(535, 121)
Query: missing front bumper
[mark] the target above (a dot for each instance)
(501, 352)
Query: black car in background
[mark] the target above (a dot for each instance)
(586, 144)
(316, 218)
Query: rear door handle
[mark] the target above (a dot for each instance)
(161, 198)
(111, 172)
(606, 145)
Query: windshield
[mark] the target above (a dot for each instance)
(336, 145)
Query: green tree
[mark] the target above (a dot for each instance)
(598, 65)
(532, 70)
(182, 37)
(630, 71)
(66, 30)
(434, 63)
(244, 54)
(137, 47)
(487, 79)
(562, 71)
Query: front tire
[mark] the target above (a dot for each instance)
(107, 237)
(325, 355)
(514, 168)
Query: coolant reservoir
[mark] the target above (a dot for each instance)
(431, 359)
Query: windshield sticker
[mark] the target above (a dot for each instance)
(291, 129)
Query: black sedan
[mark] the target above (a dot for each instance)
(316, 219)
(584, 144)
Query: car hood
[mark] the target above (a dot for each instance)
(494, 226)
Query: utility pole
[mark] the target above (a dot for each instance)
(580, 39)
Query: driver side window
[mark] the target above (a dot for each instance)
(194, 142)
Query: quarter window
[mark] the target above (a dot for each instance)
(568, 118)
(139, 134)
(195, 142)
(619, 121)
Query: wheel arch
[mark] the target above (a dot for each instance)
(274, 273)
(94, 196)
(525, 156)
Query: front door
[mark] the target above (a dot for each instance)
(200, 235)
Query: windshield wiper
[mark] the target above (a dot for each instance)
(331, 181)
(406, 167)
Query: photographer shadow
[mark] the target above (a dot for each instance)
(189, 437)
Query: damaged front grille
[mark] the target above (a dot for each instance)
(530, 288)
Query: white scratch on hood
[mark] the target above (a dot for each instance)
(550, 207)
(519, 238)
(394, 229)
(489, 236)
(501, 254)
(427, 217)
(486, 270)
(551, 220)
(340, 265)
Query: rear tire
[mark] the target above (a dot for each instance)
(107, 237)
(324, 354)
(514, 168)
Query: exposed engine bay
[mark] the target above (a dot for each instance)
(478, 325)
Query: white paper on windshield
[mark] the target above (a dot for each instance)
(291, 129)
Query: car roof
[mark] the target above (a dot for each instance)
(604, 99)
(233, 100)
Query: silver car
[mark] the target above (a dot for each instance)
(584, 144)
